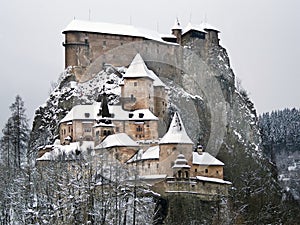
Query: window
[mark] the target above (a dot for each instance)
(195, 170)
(148, 165)
(206, 170)
(117, 129)
(135, 84)
(86, 115)
(87, 129)
(139, 129)
(104, 43)
(186, 174)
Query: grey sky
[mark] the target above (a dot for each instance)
(261, 38)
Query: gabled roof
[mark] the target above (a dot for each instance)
(176, 133)
(117, 140)
(203, 27)
(150, 153)
(89, 113)
(206, 159)
(67, 152)
(81, 112)
(111, 28)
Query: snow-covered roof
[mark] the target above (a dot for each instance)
(176, 133)
(180, 162)
(137, 68)
(66, 151)
(157, 82)
(117, 140)
(80, 112)
(136, 115)
(111, 28)
(206, 159)
(199, 27)
(153, 176)
(176, 25)
(211, 179)
(150, 153)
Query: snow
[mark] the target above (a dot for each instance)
(211, 179)
(199, 27)
(191, 26)
(206, 159)
(176, 25)
(150, 153)
(153, 176)
(111, 28)
(80, 112)
(68, 151)
(117, 140)
(137, 68)
(181, 162)
(292, 168)
(176, 133)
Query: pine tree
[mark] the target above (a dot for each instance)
(18, 131)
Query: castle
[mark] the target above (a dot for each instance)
(129, 131)
(86, 42)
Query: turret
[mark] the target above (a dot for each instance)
(181, 169)
(177, 31)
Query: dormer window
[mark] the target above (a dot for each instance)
(87, 115)
(130, 115)
(141, 115)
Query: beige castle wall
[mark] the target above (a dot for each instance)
(142, 91)
(204, 190)
(168, 154)
(149, 130)
(160, 101)
(144, 168)
(78, 130)
(82, 48)
(207, 171)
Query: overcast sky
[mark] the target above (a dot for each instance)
(261, 37)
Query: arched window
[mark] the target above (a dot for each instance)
(187, 174)
(179, 174)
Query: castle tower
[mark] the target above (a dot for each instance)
(174, 142)
(212, 35)
(177, 31)
(137, 91)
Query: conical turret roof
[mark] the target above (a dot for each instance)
(138, 69)
(176, 133)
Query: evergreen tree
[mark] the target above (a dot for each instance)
(15, 135)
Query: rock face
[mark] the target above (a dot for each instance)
(216, 115)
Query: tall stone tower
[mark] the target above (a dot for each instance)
(177, 31)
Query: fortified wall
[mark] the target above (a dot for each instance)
(90, 45)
